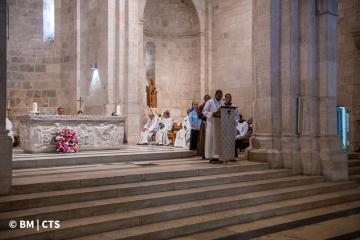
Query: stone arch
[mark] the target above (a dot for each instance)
(199, 7)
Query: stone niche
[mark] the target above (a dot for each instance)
(172, 29)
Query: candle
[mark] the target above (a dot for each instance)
(35, 107)
(8, 104)
(118, 110)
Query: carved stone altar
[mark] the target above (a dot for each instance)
(93, 132)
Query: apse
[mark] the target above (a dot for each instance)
(172, 28)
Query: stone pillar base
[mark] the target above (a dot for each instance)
(5, 164)
(260, 151)
(333, 159)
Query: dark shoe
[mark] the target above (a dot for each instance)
(214, 160)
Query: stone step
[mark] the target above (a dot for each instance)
(354, 170)
(219, 207)
(110, 205)
(270, 226)
(42, 199)
(354, 163)
(64, 181)
(354, 155)
(355, 178)
(25, 161)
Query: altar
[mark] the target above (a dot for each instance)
(93, 132)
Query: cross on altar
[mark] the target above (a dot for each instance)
(81, 101)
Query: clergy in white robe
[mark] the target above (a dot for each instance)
(165, 125)
(211, 133)
(242, 129)
(150, 128)
(183, 135)
(9, 127)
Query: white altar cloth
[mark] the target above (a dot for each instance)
(93, 132)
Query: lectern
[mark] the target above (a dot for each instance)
(225, 132)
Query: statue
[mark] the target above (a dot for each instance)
(151, 93)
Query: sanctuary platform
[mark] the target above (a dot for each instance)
(93, 132)
(126, 153)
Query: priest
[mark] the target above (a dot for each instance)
(165, 126)
(211, 111)
(150, 128)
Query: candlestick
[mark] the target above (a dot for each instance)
(35, 107)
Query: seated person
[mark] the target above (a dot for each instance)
(242, 132)
(150, 128)
(183, 135)
(9, 128)
(60, 111)
(165, 126)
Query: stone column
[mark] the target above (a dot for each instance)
(134, 70)
(355, 115)
(290, 84)
(265, 145)
(333, 159)
(5, 141)
(111, 53)
(310, 160)
(122, 56)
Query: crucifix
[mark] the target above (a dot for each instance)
(81, 101)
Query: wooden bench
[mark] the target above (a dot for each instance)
(172, 133)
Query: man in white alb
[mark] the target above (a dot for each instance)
(150, 128)
(165, 125)
(242, 132)
(211, 110)
(9, 128)
(183, 135)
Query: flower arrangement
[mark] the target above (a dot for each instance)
(66, 141)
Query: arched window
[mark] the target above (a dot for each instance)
(48, 20)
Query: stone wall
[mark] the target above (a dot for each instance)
(348, 58)
(173, 27)
(93, 50)
(232, 51)
(39, 71)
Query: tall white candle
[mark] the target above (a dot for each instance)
(8, 104)
(118, 109)
(35, 107)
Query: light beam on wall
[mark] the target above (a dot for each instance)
(48, 20)
(96, 94)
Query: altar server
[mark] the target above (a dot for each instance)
(150, 128)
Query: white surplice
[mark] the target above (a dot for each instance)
(241, 129)
(211, 133)
(9, 128)
(161, 134)
(183, 135)
(151, 127)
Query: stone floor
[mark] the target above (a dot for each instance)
(313, 225)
